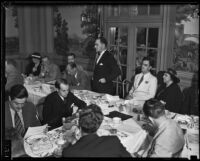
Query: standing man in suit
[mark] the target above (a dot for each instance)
(105, 70)
(19, 113)
(60, 104)
(77, 79)
(145, 85)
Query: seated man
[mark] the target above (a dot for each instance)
(49, 70)
(60, 104)
(19, 113)
(90, 144)
(13, 76)
(145, 85)
(77, 79)
(168, 140)
(71, 58)
(17, 143)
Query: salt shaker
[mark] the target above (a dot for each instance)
(63, 120)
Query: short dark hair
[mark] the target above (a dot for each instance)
(72, 54)
(18, 91)
(90, 118)
(72, 65)
(147, 58)
(59, 81)
(12, 62)
(103, 41)
(153, 108)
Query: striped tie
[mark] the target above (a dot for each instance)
(18, 125)
(141, 80)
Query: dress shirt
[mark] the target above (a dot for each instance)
(100, 56)
(13, 116)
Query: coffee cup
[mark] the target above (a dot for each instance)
(116, 120)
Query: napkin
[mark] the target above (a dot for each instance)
(35, 130)
(118, 114)
(111, 98)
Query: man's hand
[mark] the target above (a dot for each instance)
(102, 80)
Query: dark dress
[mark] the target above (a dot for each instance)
(173, 97)
(106, 68)
(94, 146)
(29, 69)
(55, 108)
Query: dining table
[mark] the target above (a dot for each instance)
(129, 129)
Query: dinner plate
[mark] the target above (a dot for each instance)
(38, 146)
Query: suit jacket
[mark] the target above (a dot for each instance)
(173, 97)
(55, 108)
(13, 77)
(106, 68)
(81, 82)
(146, 89)
(28, 113)
(168, 141)
(94, 146)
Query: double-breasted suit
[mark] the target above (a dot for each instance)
(105, 68)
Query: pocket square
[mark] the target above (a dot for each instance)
(101, 64)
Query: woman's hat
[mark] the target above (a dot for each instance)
(173, 75)
(36, 55)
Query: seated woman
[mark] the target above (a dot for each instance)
(171, 93)
(34, 67)
(168, 140)
(90, 144)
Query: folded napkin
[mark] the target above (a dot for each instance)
(111, 98)
(35, 130)
(118, 114)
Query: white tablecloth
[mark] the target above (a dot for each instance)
(36, 94)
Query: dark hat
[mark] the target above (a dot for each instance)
(173, 75)
(36, 55)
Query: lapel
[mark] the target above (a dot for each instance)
(8, 115)
(102, 58)
(146, 78)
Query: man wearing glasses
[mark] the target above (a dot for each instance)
(19, 113)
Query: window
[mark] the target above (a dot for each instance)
(186, 44)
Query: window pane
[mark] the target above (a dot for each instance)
(142, 10)
(124, 36)
(113, 35)
(153, 37)
(123, 56)
(154, 10)
(186, 44)
(140, 54)
(141, 36)
(115, 11)
(124, 10)
(153, 54)
(133, 10)
(12, 33)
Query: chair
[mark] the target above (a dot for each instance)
(39, 110)
(125, 87)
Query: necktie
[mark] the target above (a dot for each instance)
(18, 125)
(141, 80)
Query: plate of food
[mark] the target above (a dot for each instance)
(38, 146)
